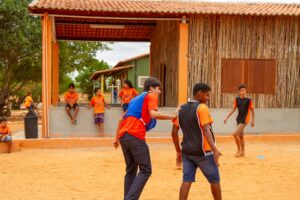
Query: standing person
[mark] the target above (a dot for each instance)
(5, 133)
(71, 98)
(245, 106)
(99, 105)
(140, 117)
(28, 102)
(126, 94)
(198, 144)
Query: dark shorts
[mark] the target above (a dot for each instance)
(6, 139)
(74, 106)
(206, 164)
(99, 118)
(125, 107)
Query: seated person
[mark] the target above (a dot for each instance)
(71, 98)
(5, 133)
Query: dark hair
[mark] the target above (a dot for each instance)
(3, 119)
(96, 90)
(29, 93)
(242, 86)
(71, 85)
(203, 87)
(151, 82)
(128, 82)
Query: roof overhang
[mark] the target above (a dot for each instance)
(110, 72)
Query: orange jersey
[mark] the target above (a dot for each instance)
(4, 131)
(71, 98)
(28, 101)
(135, 126)
(204, 118)
(98, 103)
(127, 94)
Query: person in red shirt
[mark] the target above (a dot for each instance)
(99, 105)
(131, 134)
(71, 98)
(126, 94)
(5, 133)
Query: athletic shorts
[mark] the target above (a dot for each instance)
(74, 106)
(6, 139)
(99, 118)
(205, 163)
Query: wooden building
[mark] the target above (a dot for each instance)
(223, 44)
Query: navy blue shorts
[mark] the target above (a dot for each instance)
(6, 139)
(206, 164)
(125, 107)
(99, 118)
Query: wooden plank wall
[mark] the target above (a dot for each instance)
(212, 38)
(164, 51)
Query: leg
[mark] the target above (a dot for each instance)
(211, 172)
(140, 151)
(184, 190)
(76, 112)
(9, 144)
(216, 191)
(242, 144)
(237, 142)
(238, 132)
(131, 167)
(68, 110)
(101, 128)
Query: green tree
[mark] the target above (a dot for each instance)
(83, 79)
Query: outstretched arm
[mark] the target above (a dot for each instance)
(226, 118)
(161, 116)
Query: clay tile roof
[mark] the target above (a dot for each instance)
(163, 7)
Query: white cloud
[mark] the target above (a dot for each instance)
(123, 50)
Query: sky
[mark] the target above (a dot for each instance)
(122, 51)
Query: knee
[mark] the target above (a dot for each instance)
(146, 170)
(67, 109)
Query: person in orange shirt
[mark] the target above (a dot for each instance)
(99, 104)
(126, 94)
(140, 117)
(198, 144)
(28, 102)
(71, 98)
(245, 107)
(5, 133)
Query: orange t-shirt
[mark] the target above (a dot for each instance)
(71, 98)
(28, 101)
(204, 118)
(4, 131)
(135, 126)
(127, 94)
(98, 103)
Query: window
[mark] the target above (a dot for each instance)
(258, 75)
(142, 80)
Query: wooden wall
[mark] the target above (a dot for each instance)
(212, 38)
(164, 52)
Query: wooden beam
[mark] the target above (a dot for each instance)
(55, 75)
(183, 64)
(46, 72)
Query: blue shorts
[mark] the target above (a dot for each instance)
(125, 107)
(206, 164)
(99, 118)
(6, 139)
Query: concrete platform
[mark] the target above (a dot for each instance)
(64, 143)
(267, 121)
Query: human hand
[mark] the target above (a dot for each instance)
(116, 143)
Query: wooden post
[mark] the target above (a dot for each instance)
(46, 73)
(55, 77)
(183, 64)
(102, 84)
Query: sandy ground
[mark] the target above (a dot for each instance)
(270, 170)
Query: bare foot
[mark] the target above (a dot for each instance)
(241, 154)
(73, 121)
(237, 153)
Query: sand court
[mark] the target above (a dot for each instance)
(270, 170)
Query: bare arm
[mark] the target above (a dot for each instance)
(116, 140)
(232, 111)
(253, 118)
(162, 116)
(210, 140)
(175, 138)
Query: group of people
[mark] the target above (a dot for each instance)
(98, 103)
(198, 148)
